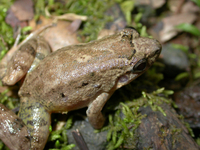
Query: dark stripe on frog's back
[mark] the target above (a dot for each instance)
(23, 57)
(29, 47)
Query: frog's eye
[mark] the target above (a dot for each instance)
(140, 66)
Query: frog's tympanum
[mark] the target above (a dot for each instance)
(73, 77)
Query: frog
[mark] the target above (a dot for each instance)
(78, 76)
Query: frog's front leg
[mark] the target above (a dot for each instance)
(94, 113)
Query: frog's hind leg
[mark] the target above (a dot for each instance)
(13, 131)
(23, 59)
(37, 120)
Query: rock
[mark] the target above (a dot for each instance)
(175, 60)
(188, 102)
(94, 141)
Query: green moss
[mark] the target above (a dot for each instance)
(121, 129)
(9, 102)
(173, 131)
(39, 8)
(181, 117)
(6, 32)
(2, 146)
(95, 10)
(198, 141)
(59, 137)
(122, 125)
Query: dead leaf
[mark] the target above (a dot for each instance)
(175, 5)
(60, 35)
(11, 19)
(190, 7)
(169, 24)
(19, 13)
(105, 32)
(23, 9)
(42, 21)
(154, 3)
(74, 26)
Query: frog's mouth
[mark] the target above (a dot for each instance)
(127, 78)
(136, 70)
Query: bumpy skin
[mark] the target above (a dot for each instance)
(84, 75)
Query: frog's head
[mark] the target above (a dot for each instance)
(145, 51)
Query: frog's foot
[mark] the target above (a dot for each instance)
(94, 114)
(13, 131)
(37, 120)
(26, 57)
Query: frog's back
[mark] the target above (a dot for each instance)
(75, 73)
(72, 77)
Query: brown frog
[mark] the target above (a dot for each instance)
(77, 76)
